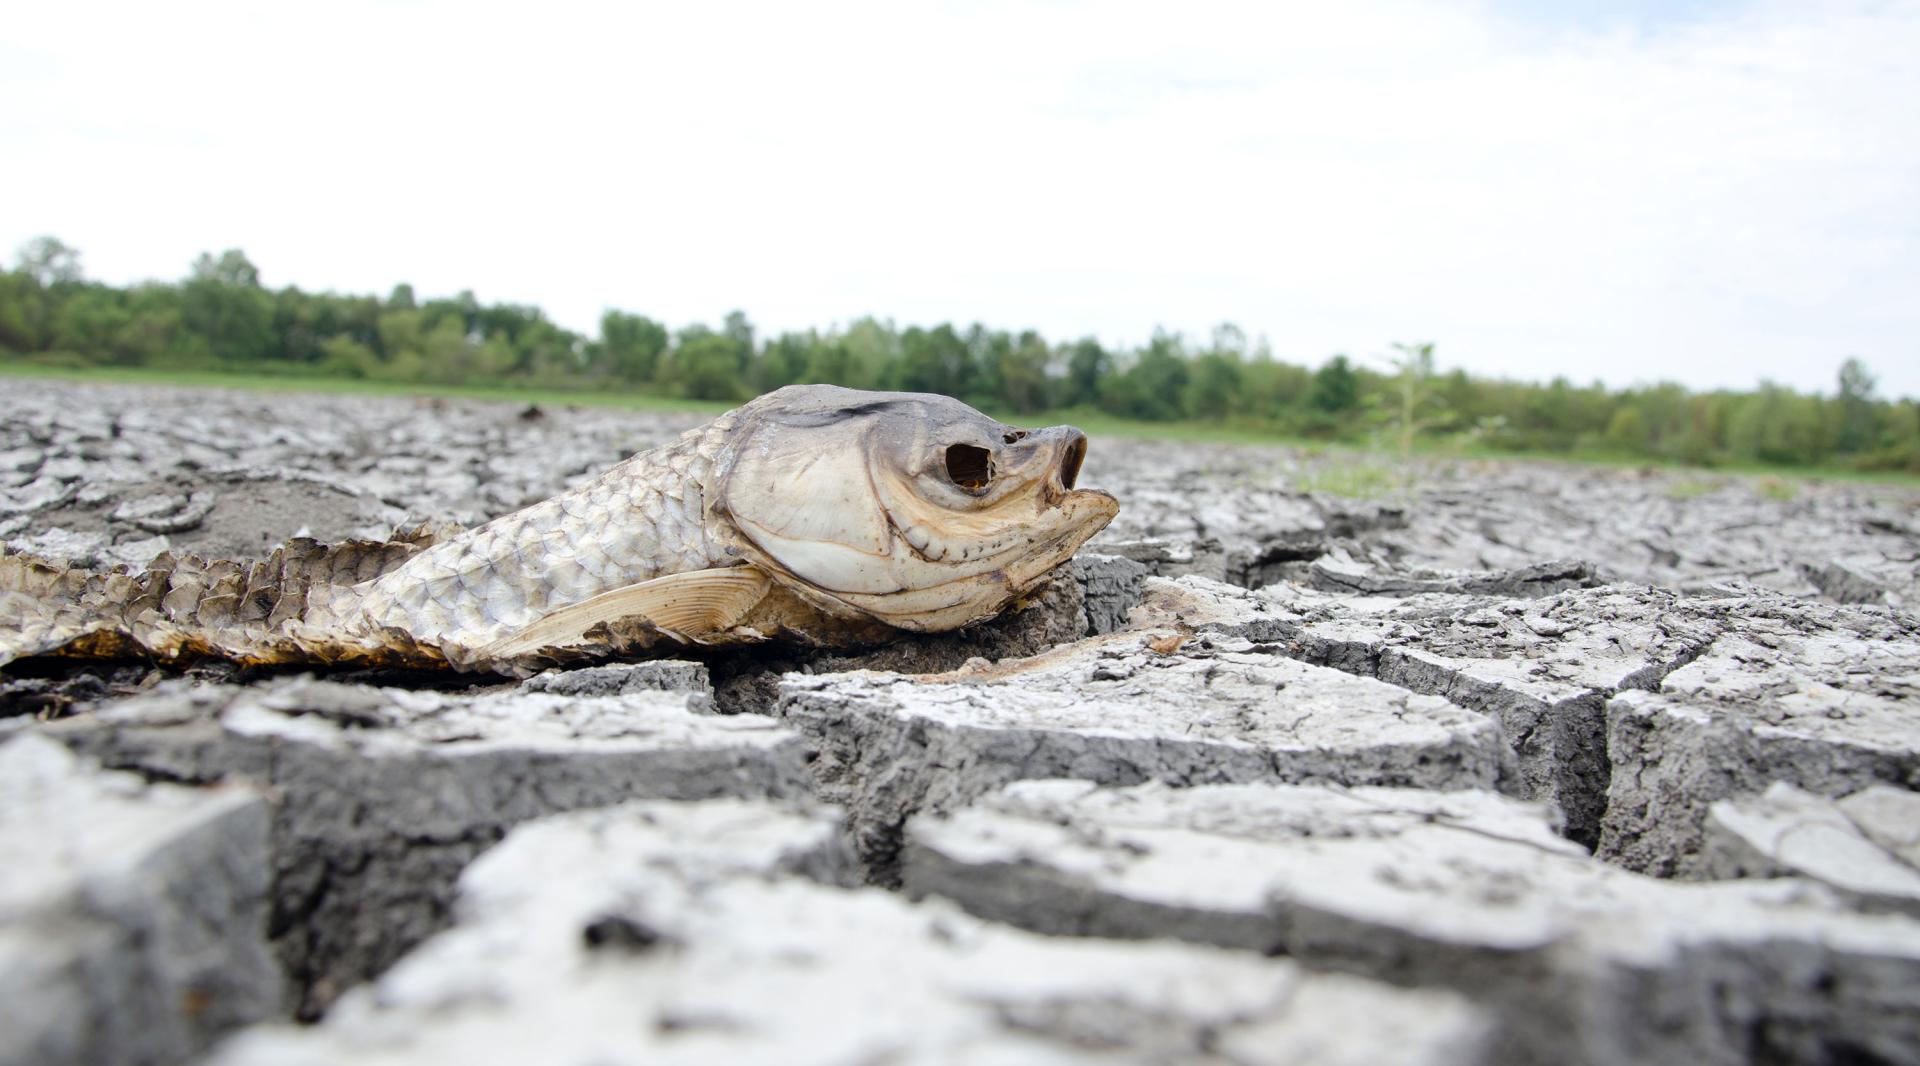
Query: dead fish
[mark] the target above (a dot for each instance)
(814, 514)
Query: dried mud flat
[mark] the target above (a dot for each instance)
(1519, 763)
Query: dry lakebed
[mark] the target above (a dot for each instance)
(1515, 762)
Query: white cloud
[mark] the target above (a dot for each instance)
(1714, 201)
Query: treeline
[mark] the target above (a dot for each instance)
(220, 317)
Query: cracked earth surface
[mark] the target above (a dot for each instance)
(1523, 762)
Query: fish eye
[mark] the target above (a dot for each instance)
(969, 467)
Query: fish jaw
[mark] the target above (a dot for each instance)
(965, 600)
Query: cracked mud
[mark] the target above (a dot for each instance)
(1522, 763)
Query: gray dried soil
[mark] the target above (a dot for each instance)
(1524, 762)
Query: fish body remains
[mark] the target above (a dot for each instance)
(642, 519)
(814, 514)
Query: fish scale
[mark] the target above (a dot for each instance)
(637, 521)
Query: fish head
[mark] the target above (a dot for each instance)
(909, 508)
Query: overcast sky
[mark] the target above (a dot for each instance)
(1710, 192)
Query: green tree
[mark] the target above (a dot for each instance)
(21, 312)
(933, 360)
(342, 356)
(156, 323)
(1021, 382)
(47, 272)
(302, 322)
(50, 262)
(1627, 431)
(1217, 380)
(1214, 386)
(540, 348)
(94, 321)
(1336, 387)
(1088, 364)
(227, 315)
(453, 356)
(1153, 386)
(873, 345)
(402, 333)
(783, 361)
(831, 361)
(1229, 339)
(709, 369)
(1775, 425)
(630, 347)
(1856, 407)
(232, 268)
(1275, 390)
(738, 330)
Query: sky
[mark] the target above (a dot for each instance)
(1713, 192)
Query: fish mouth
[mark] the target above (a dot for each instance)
(1058, 489)
(1071, 457)
(1070, 451)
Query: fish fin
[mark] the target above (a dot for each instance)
(692, 604)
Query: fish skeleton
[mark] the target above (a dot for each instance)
(814, 514)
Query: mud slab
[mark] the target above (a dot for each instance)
(1122, 709)
(384, 795)
(1822, 697)
(712, 933)
(1742, 686)
(1578, 961)
(1544, 667)
(1865, 847)
(132, 915)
